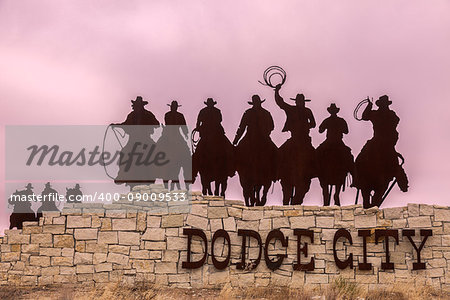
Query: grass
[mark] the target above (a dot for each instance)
(340, 289)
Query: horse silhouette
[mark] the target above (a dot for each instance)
(335, 159)
(296, 158)
(213, 158)
(379, 163)
(22, 211)
(174, 143)
(256, 153)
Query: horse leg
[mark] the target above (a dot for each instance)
(325, 194)
(264, 196)
(300, 191)
(337, 191)
(288, 190)
(366, 198)
(257, 195)
(175, 183)
(206, 186)
(166, 184)
(223, 184)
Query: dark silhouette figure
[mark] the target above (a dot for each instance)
(174, 142)
(256, 153)
(296, 157)
(213, 157)
(74, 195)
(49, 196)
(132, 172)
(22, 207)
(334, 158)
(378, 163)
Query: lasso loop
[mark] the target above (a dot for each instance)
(103, 149)
(194, 140)
(270, 72)
(358, 107)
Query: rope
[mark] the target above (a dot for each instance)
(103, 149)
(358, 107)
(194, 140)
(270, 72)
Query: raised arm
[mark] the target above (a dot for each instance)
(366, 115)
(278, 99)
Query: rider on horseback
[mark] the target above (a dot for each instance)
(334, 157)
(175, 146)
(256, 153)
(214, 153)
(379, 156)
(296, 157)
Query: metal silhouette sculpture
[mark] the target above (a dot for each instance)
(174, 140)
(335, 159)
(49, 197)
(139, 137)
(377, 167)
(22, 211)
(296, 160)
(213, 158)
(256, 153)
(74, 195)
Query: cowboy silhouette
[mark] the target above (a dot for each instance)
(74, 195)
(256, 153)
(213, 157)
(131, 172)
(49, 196)
(378, 162)
(335, 159)
(22, 208)
(174, 142)
(296, 157)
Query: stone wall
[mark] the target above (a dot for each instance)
(91, 244)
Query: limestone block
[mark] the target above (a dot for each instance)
(54, 229)
(419, 222)
(42, 261)
(79, 221)
(117, 258)
(172, 220)
(129, 238)
(124, 224)
(86, 233)
(83, 258)
(197, 222)
(49, 251)
(365, 221)
(215, 212)
(63, 241)
(303, 222)
(154, 234)
(61, 261)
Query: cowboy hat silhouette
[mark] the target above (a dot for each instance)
(333, 109)
(256, 100)
(383, 101)
(300, 97)
(174, 104)
(210, 102)
(139, 101)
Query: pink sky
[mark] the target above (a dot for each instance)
(81, 62)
